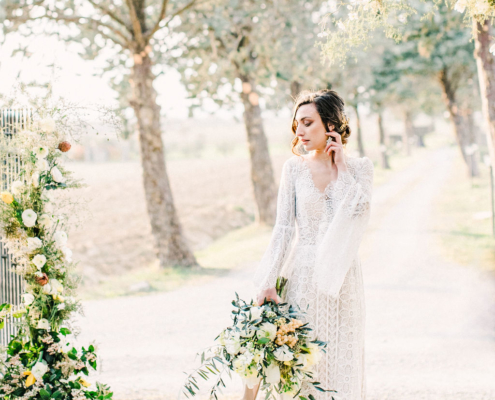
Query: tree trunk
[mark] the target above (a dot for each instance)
(359, 133)
(261, 166)
(460, 123)
(170, 245)
(408, 132)
(486, 76)
(295, 89)
(383, 146)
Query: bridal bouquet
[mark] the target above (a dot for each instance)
(267, 345)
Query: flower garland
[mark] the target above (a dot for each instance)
(41, 361)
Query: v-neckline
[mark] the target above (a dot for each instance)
(312, 182)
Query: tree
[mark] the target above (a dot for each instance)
(130, 33)
(356, 25)
(224, 55)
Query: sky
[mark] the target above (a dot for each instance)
(76, 79)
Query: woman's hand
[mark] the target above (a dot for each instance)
(270, 294)
(338, 150)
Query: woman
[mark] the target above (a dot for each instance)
(324, 196)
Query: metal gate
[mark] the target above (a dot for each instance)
(11, 284)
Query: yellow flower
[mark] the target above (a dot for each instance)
(7, 197)
(84, 383)
(30, 380)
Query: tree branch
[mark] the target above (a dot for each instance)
(180, 11)
(111, 14)
(77, 21)
(160, 18)
(136, 25)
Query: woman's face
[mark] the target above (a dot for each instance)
(310, 129)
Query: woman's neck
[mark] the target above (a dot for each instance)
(321, 156)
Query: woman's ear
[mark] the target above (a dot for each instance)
(331, 127)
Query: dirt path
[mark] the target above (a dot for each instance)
(430, 324)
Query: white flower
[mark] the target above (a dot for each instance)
(272, 373)
(34, 243)
(43, 324)
(16, 187)
(57, 175)
(60, 238)
(39, 260)
(61, 306)
(267, 330)
(246, 332)
(35, 179)
(47, 289)
(233, 344)
(481, 7)
(42, 165)
(251, 378)
(283, 353)
(39, 369)
(353, 16)
(403, 18)
(341, 25)
(255, 313)
(29, 217)
(315, 354)
(57, 287)
(67, 253)
(40, 151)
(45, 221)
(27, 299)
(47, 125)
(302, 362)
(65, 343)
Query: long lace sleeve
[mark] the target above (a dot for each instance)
(280, 243)
(340, 244)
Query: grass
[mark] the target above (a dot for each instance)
(239, 247)
(463, 219)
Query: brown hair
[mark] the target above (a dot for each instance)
(330, 107)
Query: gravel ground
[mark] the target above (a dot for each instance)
(430, 324)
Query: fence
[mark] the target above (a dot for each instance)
(11, 284)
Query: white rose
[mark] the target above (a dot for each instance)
(27, 299)
(283, 353)
(16, 187)
(42, 165)
(34, 243)
(47, 125)
(40, 152)
(255, 313)
(35, 179)
(57, 175)
(39, 260)
(43, 324)
(45, 221)
(57, 287)
(39, 369)
(272, 373)
(233, 344)
(67, 253)
(60, 238)
(47, 289)
(267, 330)
(302, 362)
(29, 218)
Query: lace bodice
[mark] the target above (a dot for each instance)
(333, 221)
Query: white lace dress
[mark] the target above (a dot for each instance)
(323, 267)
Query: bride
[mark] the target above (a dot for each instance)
(324, 196)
